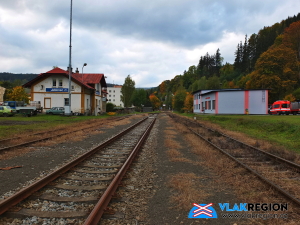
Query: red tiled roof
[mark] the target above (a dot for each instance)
(58, 70)
(83, 79)
(89, 78)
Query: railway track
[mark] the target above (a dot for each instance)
(281, 174)
(31, 138)
(80, 190)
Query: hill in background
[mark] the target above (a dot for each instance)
(5, 76)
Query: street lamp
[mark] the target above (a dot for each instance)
(82, 71)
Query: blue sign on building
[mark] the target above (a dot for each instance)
(57, 89)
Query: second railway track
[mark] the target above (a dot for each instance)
(31, 138)
(281, 174)
(71, 191)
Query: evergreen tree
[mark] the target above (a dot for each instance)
(238, 57)
(218, 62)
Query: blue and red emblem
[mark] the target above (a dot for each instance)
(203, 211)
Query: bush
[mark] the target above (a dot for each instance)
(110, 107)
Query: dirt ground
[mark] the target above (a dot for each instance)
(11, 123)
(178, 175)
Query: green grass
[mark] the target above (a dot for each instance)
(282, 130)
(38, 123)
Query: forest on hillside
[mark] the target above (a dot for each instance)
(11, 77)
(269, 59)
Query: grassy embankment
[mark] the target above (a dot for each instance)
(282, 130)
(13, 126)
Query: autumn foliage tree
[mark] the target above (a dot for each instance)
(290, 97)
(276, 69)
(188, 103)
(291, 37)
(155, 102)
(162, 88)
(18, 94)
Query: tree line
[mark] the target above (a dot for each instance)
(269, 59)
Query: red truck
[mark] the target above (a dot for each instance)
(284, 107)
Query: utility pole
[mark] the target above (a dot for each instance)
(69, 111)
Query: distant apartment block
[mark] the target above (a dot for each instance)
(2, 90)
(114, 95)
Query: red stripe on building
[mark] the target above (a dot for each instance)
(246, 101)
(266, 99)
(217, 103)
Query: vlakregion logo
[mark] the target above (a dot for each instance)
(203, 211)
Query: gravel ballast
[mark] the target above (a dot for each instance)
(147, 194)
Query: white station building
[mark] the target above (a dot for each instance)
(231, 101)
(88, 91)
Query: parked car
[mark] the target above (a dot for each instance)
(7, 111)
(56, 110)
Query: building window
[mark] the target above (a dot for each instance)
(72, 88)
(208, 104)
(109, 91)
(114, 95)
(213, 104)
(109, 95)
(66, 101)
(60, 83)
(114, 91)
(113, 100)
(42, 87)
(54, 82)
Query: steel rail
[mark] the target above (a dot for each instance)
(100, 207)
(27, 191)
(292, 164)
(275, 157)
(41, 139)
(282, 191)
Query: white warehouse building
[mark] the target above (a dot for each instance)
(88, 91)
(231, 101)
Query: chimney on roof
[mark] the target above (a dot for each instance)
(77, 71)
(68, 69)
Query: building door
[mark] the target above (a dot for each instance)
(47, 103)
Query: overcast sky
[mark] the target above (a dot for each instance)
(152, 40)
